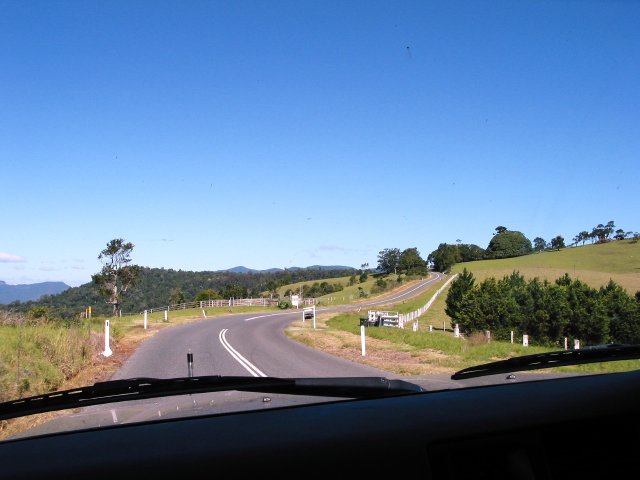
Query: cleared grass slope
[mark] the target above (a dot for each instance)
(594, 264)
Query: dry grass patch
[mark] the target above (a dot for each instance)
(403, 360)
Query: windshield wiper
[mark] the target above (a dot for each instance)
(141, 388)
(592, 354)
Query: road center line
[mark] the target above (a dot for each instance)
(251, 368)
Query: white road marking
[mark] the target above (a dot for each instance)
(113, 416)
(251, 368)
(268, 315)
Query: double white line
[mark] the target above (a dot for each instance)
(250, 367)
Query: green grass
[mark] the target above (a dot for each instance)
(350, 294)
(121, 325)
(38, 358)
(462, 353)
(593, 264)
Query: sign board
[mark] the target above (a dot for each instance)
(295, 300)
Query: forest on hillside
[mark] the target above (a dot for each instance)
(157, 287)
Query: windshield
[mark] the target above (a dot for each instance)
(310, 190)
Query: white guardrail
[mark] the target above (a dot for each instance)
(411, 316)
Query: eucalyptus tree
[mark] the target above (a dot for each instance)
(117, 275)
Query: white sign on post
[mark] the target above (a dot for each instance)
(295, 300)
(525, 340)
(576, 344)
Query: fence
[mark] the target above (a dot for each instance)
(411, 316)
(231, 302)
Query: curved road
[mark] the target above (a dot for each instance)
(249, 344)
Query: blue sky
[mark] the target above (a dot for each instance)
(277, 134)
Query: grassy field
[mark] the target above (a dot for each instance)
(407, 352)
(593, 264)
(36, 358)
(350, 294)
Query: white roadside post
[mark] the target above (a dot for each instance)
(145, 320)
(456, 331)
(576, 344)
(525, 340)
(314, 316)
(511, 336)
(430, 328)
(415, 326)
(107, 351)
(566, 343)
(364, 351)
(166, 315)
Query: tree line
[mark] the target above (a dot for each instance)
(546, 311)
(156, 287)
(507, 243)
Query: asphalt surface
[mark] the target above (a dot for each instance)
(236, 345)
(249, 344)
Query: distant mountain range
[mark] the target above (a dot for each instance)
(241, 269)
(32, 291)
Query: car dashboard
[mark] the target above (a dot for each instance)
(583, 426)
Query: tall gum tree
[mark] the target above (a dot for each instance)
(116, 276)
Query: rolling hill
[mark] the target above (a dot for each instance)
(594, 264)
(32, 291)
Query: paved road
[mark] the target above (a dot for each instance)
(249, 345)
(245, 345)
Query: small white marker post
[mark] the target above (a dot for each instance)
(107, 351)
(166, 315)
(364, 350)
(525, 340)
(430, 328)
(511, 336)
(415, 326)
(576, 344)
(145, 320)
(566, 346)
(456, 331)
